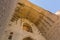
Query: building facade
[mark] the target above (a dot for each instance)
(30, 22)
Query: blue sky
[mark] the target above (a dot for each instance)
(50, 5)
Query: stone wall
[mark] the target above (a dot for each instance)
(7, 8)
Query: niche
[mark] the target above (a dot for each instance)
(27, 27)
(10, 36)
(28, 38)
